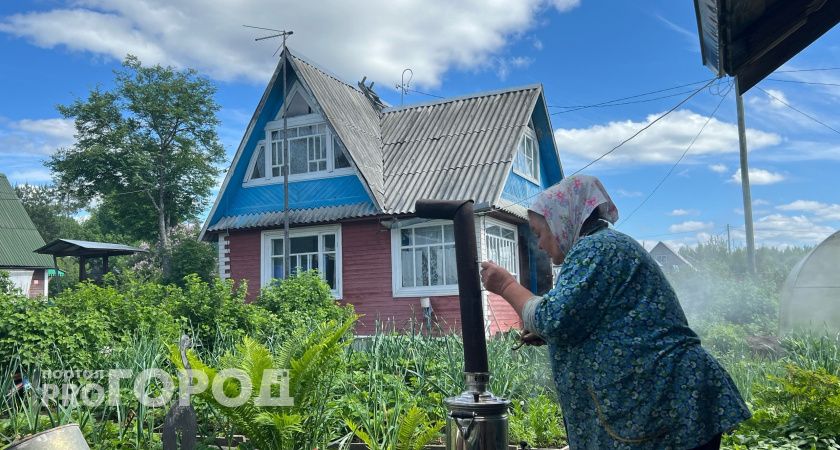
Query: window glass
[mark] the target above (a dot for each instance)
(341, 160)
(306, 254)
(258, 171)
(501, 246)
(427, 256)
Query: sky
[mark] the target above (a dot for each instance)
(584, 52)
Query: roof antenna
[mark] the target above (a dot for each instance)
(404, 86)
(367, 90)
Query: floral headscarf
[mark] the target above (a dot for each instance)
(568, 204)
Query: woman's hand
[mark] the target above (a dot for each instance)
(495, 278)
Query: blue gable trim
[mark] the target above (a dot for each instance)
(302, 195)
(237, 199)
(519, 188)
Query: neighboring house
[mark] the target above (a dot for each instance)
(357, 168)
(18, 239)
(669, 259)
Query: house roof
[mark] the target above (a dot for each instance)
(667, 247)
(72, 247)
(296, 216)
(453, 149)
(18, 235)
(450, 149)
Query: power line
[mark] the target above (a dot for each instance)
(802, 82)
(647, 100)
(633, 96)
(808, 70)
(424, 93)
(674, 108)
(668, 174)
(800, 112)
(640, 131)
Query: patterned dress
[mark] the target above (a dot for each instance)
(630, 373)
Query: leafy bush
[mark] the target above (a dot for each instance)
(6, 284)
(301, 302)
(538, 422)
(191, 256)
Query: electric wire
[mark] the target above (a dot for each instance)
(645, 94)
(799, 111)
(807, 70)
(670, 171)
(816, 83)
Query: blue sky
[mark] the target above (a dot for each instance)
(583, 52)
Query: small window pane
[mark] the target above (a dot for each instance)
(329, 242)
(436, 266)
(494, 230)
(277, 268)
(449, 233)
(340, 157)
(428, 235)
(507, 234)
(306, 244)
(407, 260)
(297, 156)
(258, 171)
(421, 266)
(450, 266)
(329, 269)
(277, 247)
(406, 237)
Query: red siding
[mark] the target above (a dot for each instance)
(36, 286)
(366, 260)
(366, 275)
(245, 260)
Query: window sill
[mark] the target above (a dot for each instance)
(437, 291)
(301, 177)
(527, 177)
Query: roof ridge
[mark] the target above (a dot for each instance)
(479, 94)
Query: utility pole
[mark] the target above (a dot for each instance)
(728, 240)
(745, 181)
(285, 167)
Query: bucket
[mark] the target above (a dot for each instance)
(65, 437)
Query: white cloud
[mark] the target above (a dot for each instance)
(378, 39)
(718, 168)
(758, 176)
(684, 212)
(820, 211)
(626, 193)
(35, 137)
(690, 226)
(663, 142)
(760, 202)
(778, 230)
(565, 5)
(690, 35)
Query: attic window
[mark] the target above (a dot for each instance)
(258, 165)
(298, 106)
(527, 160)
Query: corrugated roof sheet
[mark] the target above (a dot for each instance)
(354, 118)
(296, 217)
(453, 149)
(18, 235)
(72, 247)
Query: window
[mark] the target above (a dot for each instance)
(258, 164)
(502, 246)
(424, 260)
(341, 160)
(315, 248)
(527, 161)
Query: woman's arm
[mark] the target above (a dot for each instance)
(499, 281)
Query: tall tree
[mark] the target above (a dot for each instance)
(51, 211)
(149, 144)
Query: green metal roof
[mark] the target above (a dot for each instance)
(18, 235)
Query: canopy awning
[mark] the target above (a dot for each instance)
(752, 38)
(70, 247)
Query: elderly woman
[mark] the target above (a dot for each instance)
(630, 373)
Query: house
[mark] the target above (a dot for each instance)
(357, 167)
(18, 239)
(669, 259)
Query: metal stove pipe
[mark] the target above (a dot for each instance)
(477, 420)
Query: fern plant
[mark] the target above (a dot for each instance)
(313, 363)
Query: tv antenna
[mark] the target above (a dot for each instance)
(287, 270)
(404, 85)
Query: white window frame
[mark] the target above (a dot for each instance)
(293, 122)
(252, 163)
(266, 252)
(534, 160)
(489, 222)
(396, 268)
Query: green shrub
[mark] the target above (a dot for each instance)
(538, 422)
(192, 257)
(301, 302)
